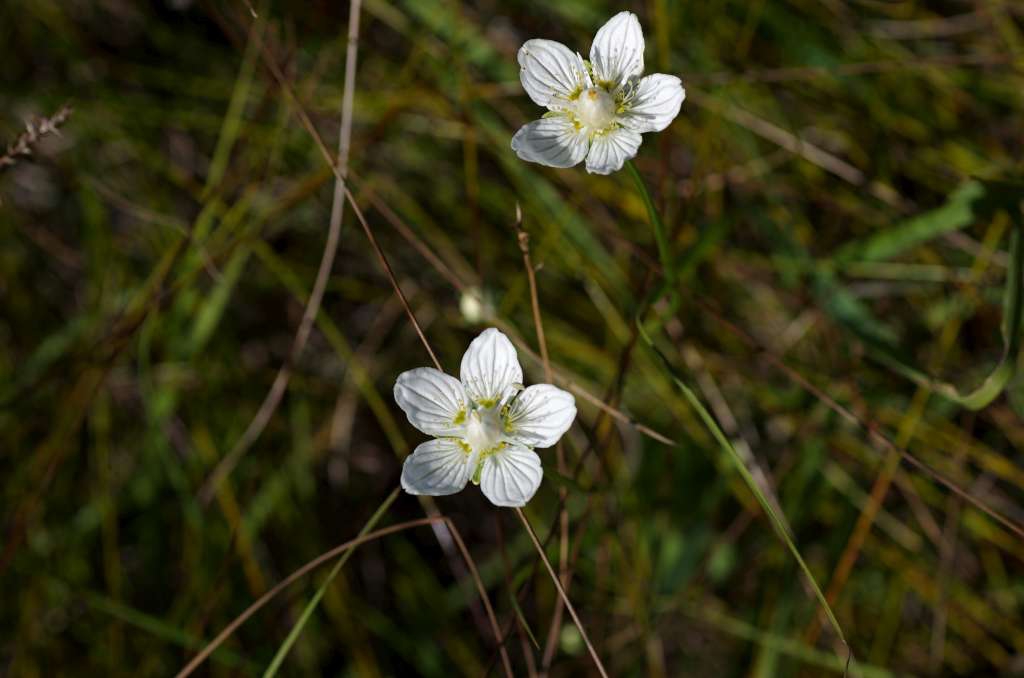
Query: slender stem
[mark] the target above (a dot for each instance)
(561, 593)
(563, 518)
(475, 574)
(660, 233)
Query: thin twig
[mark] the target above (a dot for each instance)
(561, 593)
(307, 123)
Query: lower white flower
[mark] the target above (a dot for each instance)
(597, 109)
(485, 425)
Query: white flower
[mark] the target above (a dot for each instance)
(485, 426)
(597, 108)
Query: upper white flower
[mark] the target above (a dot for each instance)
(598, 108)
(485, 424)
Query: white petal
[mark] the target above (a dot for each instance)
(434, 401)
(618, 50)
(554, 141)
(654, 104)
(490, 367)
(511, 476)
(438, 467)
(551, 73)
(540, 415)
(610, 150)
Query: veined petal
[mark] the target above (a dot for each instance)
(490, 367)
(610, 150)
(551, 73)
(438, 467)
(617, 53)
(511, 476)
(434, 402)
(554, 141)
(540, 415)
(654, 104)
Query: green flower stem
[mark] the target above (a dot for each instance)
(660, 234)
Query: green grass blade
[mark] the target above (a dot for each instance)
(778, 524)
(232, 124)
(956, 213)
(660, 233)
(159, 628)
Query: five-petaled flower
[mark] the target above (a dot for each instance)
(597, 108)
(485, 425)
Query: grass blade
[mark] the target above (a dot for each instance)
(778, 524)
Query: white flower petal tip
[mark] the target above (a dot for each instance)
(609, 152)
(511, 476)
(434, 402)
(541, 415)
(554, 142)
(490, 367)
(438, 467)
(655, 103)
(599, 108)
(551, 73)
(486, 424)
(617, 54)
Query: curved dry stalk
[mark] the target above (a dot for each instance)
(275, 70)
(562, 594)
(255, 607)
(290, 579)
(277, 389)
(307, 123)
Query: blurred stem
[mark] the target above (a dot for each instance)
(660, 233)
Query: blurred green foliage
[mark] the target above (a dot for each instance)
(155, 258)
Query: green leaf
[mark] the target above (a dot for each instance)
(958, 212)
(969, 201)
